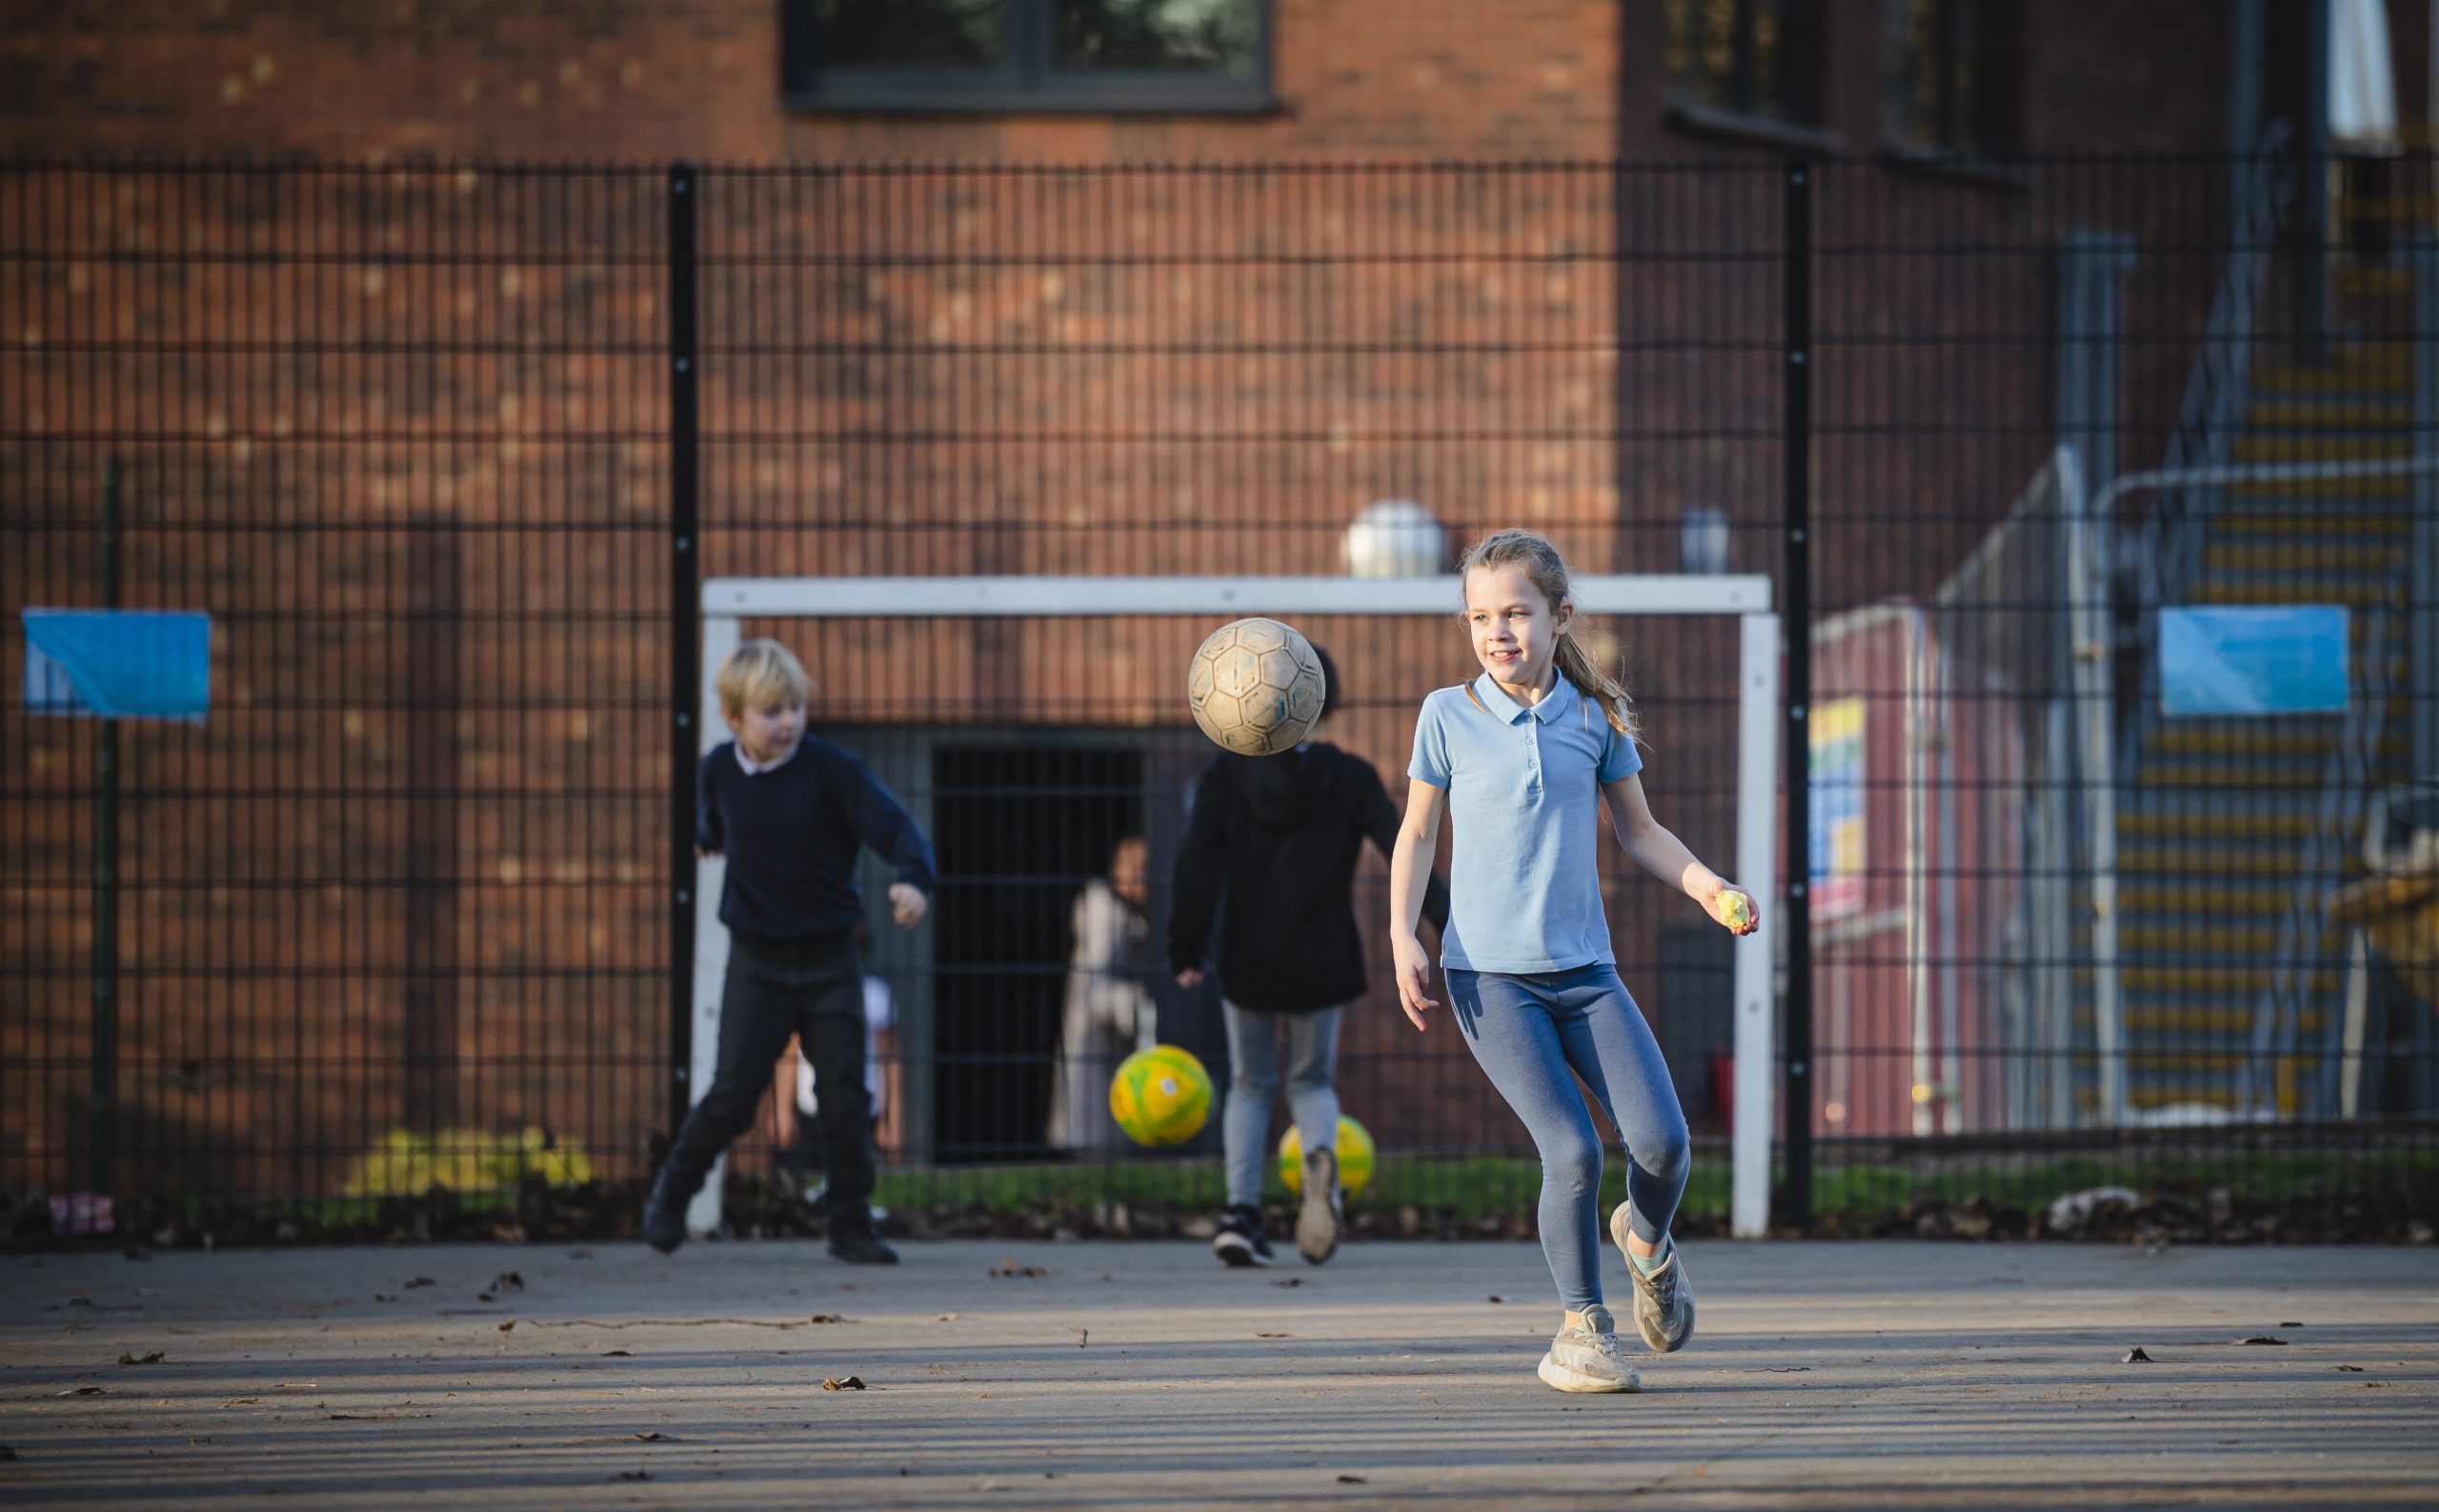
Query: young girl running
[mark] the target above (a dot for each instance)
(1524, 756)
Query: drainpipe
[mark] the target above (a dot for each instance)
(2092, 269)
(2312, 314)
(2247, 33)
(2422, 602)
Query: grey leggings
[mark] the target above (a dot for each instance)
(1253, 1081)
(1528, 1032)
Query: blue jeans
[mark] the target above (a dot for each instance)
(1253, 1081)
(1528, 1032)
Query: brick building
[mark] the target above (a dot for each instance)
(621, 81)
(400, 420)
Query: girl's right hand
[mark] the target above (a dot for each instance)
(1414, 978)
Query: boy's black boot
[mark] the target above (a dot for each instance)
(852, 1239)
(665, 1214)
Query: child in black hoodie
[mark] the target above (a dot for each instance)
(1277, 838)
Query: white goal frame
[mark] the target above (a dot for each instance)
(727, 600)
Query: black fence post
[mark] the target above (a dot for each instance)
(106, 780)
(685, 626)
(1795, 1202)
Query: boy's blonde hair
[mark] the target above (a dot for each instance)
(1547, 570)
(761, 671)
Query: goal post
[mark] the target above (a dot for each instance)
(727, 601)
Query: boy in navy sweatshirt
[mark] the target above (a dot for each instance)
(790, 811)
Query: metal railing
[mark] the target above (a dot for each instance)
(2160, 552)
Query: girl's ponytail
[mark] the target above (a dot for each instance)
(1577, 666)
(1547, 568)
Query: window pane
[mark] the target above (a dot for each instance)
(1754, 57)
(912, 33)
(1780, 59)
(1984, 79)
(1188, 36)
(1947, 82)
(1910, 99)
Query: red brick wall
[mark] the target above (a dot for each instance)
(918, 375)
(640, 81)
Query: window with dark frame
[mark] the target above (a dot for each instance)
(1026, 54)
(1758, 59)
(1948, 77)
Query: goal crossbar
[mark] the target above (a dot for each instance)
(726, 601)
(908, 598)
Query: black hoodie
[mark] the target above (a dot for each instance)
(1280, 836)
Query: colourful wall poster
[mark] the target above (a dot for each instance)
(1836, 840)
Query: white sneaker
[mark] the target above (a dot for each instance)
(1317, 1221)
(1592, 1358)
(1665, 1298)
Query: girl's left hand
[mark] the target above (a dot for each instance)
(1413, 969)
(907, 904)
(1733, 907)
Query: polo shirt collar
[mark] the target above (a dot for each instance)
(1558, 700)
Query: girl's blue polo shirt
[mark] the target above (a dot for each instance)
(1524, 790)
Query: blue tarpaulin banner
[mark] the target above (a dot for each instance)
(2258, 660)
(118, 663)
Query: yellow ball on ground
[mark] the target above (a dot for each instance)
(1354, 1156)
(1160, 1096)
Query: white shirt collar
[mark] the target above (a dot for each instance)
(753, 770)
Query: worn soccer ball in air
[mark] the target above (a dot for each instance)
(1256, 687)
(1160, 1096)
(1354, 1156)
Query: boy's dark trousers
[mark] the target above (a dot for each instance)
(814, 989)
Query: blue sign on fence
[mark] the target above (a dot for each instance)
(118, 663)
(2259, 660)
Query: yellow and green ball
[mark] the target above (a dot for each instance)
(1160, 1096)
(1354, 1156)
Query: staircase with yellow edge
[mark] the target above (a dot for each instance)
(2219, 812)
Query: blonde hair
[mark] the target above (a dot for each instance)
(1547, 570)
(760, 672)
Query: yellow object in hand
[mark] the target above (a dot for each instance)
(1736, 911)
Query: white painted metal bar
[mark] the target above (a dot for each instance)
(711, 938)
(903, 597)
(2089, 674)
(1918, 964)
(1757, 853)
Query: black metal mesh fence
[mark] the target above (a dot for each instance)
(400, 910)
(400, 896)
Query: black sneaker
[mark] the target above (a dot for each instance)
(1241, 1240)
(665, 1214)
(861, 1246)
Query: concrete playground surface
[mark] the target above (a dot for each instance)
(1145, 1375)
